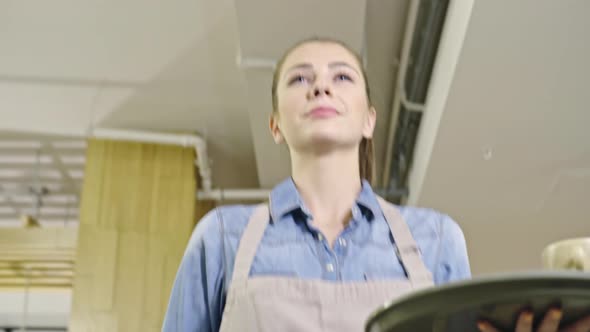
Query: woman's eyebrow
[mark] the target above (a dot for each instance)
(342, 64)
(300, 66)
(307, 65)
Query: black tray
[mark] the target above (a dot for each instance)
(457, 306)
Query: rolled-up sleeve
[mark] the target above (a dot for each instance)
(453, 258)
(196, 302)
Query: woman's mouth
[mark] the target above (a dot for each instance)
(322, 112)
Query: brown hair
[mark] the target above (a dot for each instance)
(366, 148)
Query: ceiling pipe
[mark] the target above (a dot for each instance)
(234, 194)
(194, 141)
(207, 193)
(202, 162)
(248, 194)
(255, 63)
(399, 96)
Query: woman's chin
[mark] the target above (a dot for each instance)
(326, 143)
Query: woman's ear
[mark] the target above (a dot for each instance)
(370, 120)
(275, 131)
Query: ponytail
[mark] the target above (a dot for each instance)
(366, 159)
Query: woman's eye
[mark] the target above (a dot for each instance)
(343, 77)
(297, 79)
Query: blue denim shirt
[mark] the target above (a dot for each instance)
(293, 246)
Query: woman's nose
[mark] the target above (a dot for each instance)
(320, 90)
(317, 92)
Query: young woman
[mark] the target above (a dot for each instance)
(325, 251)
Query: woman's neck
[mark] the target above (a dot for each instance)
(329, 184)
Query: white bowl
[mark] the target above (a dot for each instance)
(571, 254)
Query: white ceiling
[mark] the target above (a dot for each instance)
(29, 163)
(68, 66)
(519, 90)
(137, 65)
(49, 308)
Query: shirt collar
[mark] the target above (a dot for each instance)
(285, 198)
(368, 199)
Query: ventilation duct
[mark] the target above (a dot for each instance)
(426, 19)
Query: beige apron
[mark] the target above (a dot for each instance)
(285, 304)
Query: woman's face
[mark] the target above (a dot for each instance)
(321, 99)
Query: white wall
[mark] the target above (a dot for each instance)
(46, 307)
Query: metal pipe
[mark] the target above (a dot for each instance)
(234, 194)
(407, 104)
(133, 135)
(400, 86)
(207, 193)
(255, 63)
(194, 141)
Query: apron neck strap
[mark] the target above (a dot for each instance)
(249, 243)
(406, 248)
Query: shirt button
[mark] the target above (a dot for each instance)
(356, 212)
(330, 267)
(342, 242)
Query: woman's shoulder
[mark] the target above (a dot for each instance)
(430, 226)
(427, 220)
(225, 219)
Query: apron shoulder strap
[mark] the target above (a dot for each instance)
(406, 246)
(249, 243)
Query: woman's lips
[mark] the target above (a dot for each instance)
(322, 112)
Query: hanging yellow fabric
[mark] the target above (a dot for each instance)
(136, 216)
